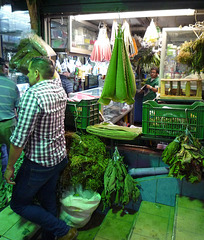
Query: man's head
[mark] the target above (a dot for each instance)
(40, 68)
(154, 72)
(4, 66)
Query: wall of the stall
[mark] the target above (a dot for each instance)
(160, 188)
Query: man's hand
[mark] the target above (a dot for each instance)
(9, 175)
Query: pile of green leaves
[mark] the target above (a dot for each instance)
(185, 156)
(88, 160)
(119, 186)
(192, 54)
(146, 57)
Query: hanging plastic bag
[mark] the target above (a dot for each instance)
(151, 34)
(78, 205)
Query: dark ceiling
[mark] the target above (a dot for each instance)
(138, 25)
(90, 6)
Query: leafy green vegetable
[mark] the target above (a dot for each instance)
(88, 160)
(185, 156)
(119, 186)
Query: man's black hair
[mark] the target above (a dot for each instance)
(156, 69)
(44, 65)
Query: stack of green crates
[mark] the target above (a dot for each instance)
(171, 120)
(81, 114)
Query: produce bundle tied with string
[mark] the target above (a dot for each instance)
(119, 83)
(185, 156)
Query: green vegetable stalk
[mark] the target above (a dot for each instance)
(119, 186)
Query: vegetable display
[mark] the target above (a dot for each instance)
(185, 156)
(119, 187)
(88, 160)
(120, 83)
(114, 131)
(192, 54)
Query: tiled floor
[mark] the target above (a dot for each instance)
(154, 221)
(189, 219)
(13, 227)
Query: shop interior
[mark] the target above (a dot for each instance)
(170, 205)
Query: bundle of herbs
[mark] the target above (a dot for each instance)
(119, 186)
(192, 54)
(146, 57)
(185, 156)
(88, 160)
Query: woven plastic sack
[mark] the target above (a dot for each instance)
(77, 206)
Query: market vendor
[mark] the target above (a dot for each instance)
(151, 86)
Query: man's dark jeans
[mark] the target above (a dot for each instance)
(35, 180)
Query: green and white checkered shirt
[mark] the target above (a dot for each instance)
(40, 127)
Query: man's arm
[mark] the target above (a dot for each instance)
(14, 155)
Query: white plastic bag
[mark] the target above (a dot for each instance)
(77, 206)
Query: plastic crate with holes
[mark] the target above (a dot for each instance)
(79, 115)
(171, 120)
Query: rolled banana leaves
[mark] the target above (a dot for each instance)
(30, 46)
(119, 84)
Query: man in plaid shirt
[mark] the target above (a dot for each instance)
(40, 133)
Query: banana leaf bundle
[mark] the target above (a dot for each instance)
(114, 131)
(29, 47)
(119, 83)
(119, 186)
(185, 156)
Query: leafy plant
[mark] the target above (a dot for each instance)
(185, 156)
(88, 160)
(119, 186)
(192, 54)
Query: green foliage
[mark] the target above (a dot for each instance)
(185, 156)
(119, 186)
(88, 160)
(146, 57)
(192, 54)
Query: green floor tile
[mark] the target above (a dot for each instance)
(155, 209)
(139, 237)
(170, 224)
(187, 236)
(21, 230)
(7, 219)
(190, 220)
(114, 229)
(118, 213)
(151, 226)
(191, 203)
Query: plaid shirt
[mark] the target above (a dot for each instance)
(40, 127)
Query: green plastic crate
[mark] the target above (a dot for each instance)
(79, 115)
(171, 120)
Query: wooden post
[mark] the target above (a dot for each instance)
(188, 89)
(33, 12)
(199, 88)
(162, 88)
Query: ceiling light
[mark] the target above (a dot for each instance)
(138, 14)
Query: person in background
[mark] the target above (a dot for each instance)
(151, 85)
(66, 83)
(9, 99)
(40, 133)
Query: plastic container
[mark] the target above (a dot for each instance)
(171, 120)
(79, 115)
